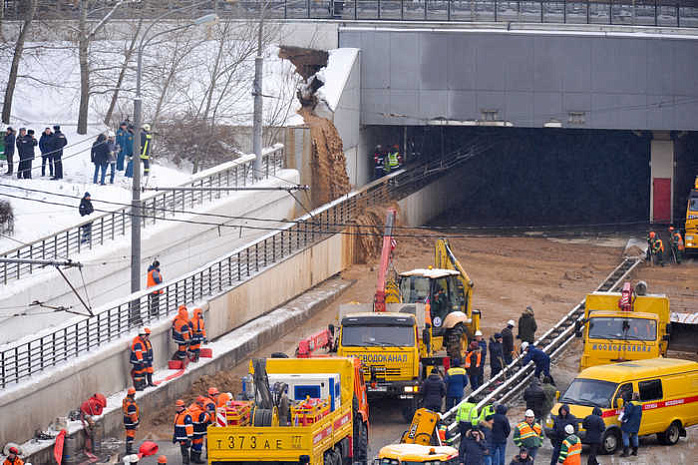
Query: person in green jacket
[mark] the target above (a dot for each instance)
(528, 434)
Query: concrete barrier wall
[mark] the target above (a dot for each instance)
(431, 201)
(33, 405)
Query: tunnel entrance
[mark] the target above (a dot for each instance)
(532, 177)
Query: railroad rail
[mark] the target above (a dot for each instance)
(514, 377)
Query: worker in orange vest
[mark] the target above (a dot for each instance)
(473, 365)
(154, 279)
(142, 360)
(211, 401)
(676, 244)
(181, 333)
(201, 419)
(13, 457)
(183, 430)
(198, 334)
(129, 407)
(658, 250)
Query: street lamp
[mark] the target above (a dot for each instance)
(136, 159)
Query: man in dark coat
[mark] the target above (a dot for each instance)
(500, 432)
(522, 458)
(473, 448)
(595, 427)
(563, 418)
(121, 135)
(9, 139)
(25, 146)
(535, 399)
(508, 342)
(86, 209)
(100, 157)
(496, 354)
(630, 424)
(433, 391)
(58, 142)
(527, 326)
(46, 147)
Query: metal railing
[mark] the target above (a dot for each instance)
(22, 359)
(156, 207)
(660, 13)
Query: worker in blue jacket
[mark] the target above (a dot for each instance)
(456, 381)
(540, 358)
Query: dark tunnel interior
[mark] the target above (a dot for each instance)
(546, 176)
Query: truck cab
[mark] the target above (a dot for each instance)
(611, 335)
(691, 237)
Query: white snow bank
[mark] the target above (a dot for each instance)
(335, 75)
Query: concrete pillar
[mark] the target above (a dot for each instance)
(661, 178)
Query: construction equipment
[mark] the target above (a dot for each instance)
(322, 340)
(691, 230)
(421, 443)
(316, 414)
(630, 325)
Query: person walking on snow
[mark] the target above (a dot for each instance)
(58, 141)
(46, 148)
(527, 326)
(154, 278)
(86, 209)
(9, 140)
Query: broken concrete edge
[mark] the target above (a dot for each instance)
(229, 350)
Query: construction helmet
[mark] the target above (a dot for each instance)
(671, 228)
(200, 400)
(478, 333)
(179, 403)
(212, 391)
(529, 414)
(524, 345)
(146, 126)
(197, 311)
(162, 459)
(131, 391)
(146, 330)
(652, 234)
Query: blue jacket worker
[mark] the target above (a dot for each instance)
(456, 381)
(540, 358)
(630, 424)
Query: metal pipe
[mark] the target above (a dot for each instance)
(41, 262)
(241, 188)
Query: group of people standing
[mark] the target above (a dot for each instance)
(656, 250)
(385, 160)
(115, 151)
(51, 144)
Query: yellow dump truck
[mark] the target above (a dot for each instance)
(387, 345)
(612, 334)
(691, 238)
(315, 413)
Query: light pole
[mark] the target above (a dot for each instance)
(136, 159)
(258, 102)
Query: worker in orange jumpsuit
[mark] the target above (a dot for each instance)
(201, 419)
(142, 360)
(676, 244)
(223, 399)
(13, 457)
(658, 251)
(183, 430)
(89, 410)
(198, 334)
(181, 333)
(211, 401)
(154, 279)
(131, 420)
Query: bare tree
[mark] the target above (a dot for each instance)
(16, 58)
(128, 54)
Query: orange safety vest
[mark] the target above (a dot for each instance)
(679, 242)
(571, 452)
(468, 359)
(151, 279)
(183, 426)
(129, 407)
(16, 461)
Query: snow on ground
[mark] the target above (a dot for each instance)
(55, 100)
(335, 75)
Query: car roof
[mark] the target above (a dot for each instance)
(638, 369)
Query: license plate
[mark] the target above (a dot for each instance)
(379, 389)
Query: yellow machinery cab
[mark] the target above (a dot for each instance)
(691, 237)
(668, 390)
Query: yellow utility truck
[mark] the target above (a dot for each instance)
(387, 345)
(315, 412)
(623, 326)
(668, 390)
(691, 230)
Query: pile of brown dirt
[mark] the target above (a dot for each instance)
(370, 226)
(328, 162)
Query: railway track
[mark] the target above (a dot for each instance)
(512, 380)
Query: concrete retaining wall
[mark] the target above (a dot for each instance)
(34, 404)
(438, 197)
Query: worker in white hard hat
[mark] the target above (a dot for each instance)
(528, 434)
(483, 353)
(508, 342)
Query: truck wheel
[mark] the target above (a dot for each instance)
(671, 435)
(610, 442)
(361, 444)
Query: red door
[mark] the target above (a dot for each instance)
(662, 200)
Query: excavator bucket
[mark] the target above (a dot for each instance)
(445, 259)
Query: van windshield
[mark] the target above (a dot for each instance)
(636, 329)
(374, 335)
(589, 392)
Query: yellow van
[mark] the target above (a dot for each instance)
(668, 391)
